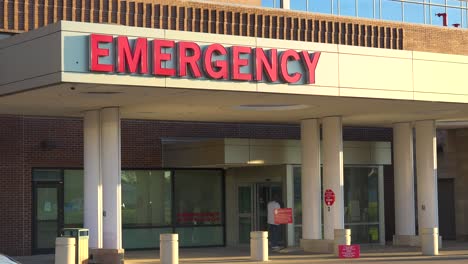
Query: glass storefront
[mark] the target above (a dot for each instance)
(188, 202)
(361, 203)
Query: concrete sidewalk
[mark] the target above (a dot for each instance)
(452, 253)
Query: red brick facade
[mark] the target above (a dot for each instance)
(25, 143)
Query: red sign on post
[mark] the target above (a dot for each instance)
(329, 197)
(352, 251)
(283, 216)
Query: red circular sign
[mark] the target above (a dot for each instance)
(329, 197)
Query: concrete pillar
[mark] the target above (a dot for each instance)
(426, 169)
(310, 180)
(286, 4)
(333, 174)
(169, 248)
(92, 177)
(111, 176)
(405, 227)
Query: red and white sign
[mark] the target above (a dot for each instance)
(168, 58)
(329, 197)
(352, 251)
(283, 216)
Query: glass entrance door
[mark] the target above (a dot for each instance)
(252, 207)
(47, 214)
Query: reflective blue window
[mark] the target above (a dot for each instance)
(414, 13)
(320, 6)
(366, 8)
(299, 5)
(411, 11)
(436, 13)
(347, 7)
(271, 3)
(454, 16)
(391, 10)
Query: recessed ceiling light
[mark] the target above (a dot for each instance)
(271, 107)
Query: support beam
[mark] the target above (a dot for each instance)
(405, 227)
(333, 174)
(310, 180)
(426, 169)
(111, 178)
(92, 177)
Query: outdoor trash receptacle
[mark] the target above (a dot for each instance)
(81, 236)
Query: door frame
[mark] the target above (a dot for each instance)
(60, 212)
(254, 215)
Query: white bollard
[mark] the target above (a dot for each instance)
(430, 241)
(259, 245)
(342, 237)
(65, 250)
(169, 248)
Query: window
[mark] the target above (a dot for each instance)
(391, 10)
(73, 198)
(414, 13)
(366, 8)
(299, 5)
(271, 3)
(347, 7)
(320, 6)
(199, 207)
(189, 202)
(361, 203)
(146, 198)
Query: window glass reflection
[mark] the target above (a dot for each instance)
(391, 10)
(366, 8)
(414, 13)
(347, 7)
(320, 6)
(454, 17)
(436, 14)
(73, 198)
(300, 5)
(272, 3)
(198, 197)
(146, 198)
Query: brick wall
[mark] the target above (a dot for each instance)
(25, 143)
(235, 19)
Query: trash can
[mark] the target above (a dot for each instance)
(81, 236)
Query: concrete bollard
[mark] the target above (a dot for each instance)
(430, 241)
(259, 245)
(342, 237)
(65, 250)
(169, 248)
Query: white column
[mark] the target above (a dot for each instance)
(110, 164)
(92, 177)
(404, 179)
(333, 174)
(286, 4)
(310, 180)
(426, 171)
